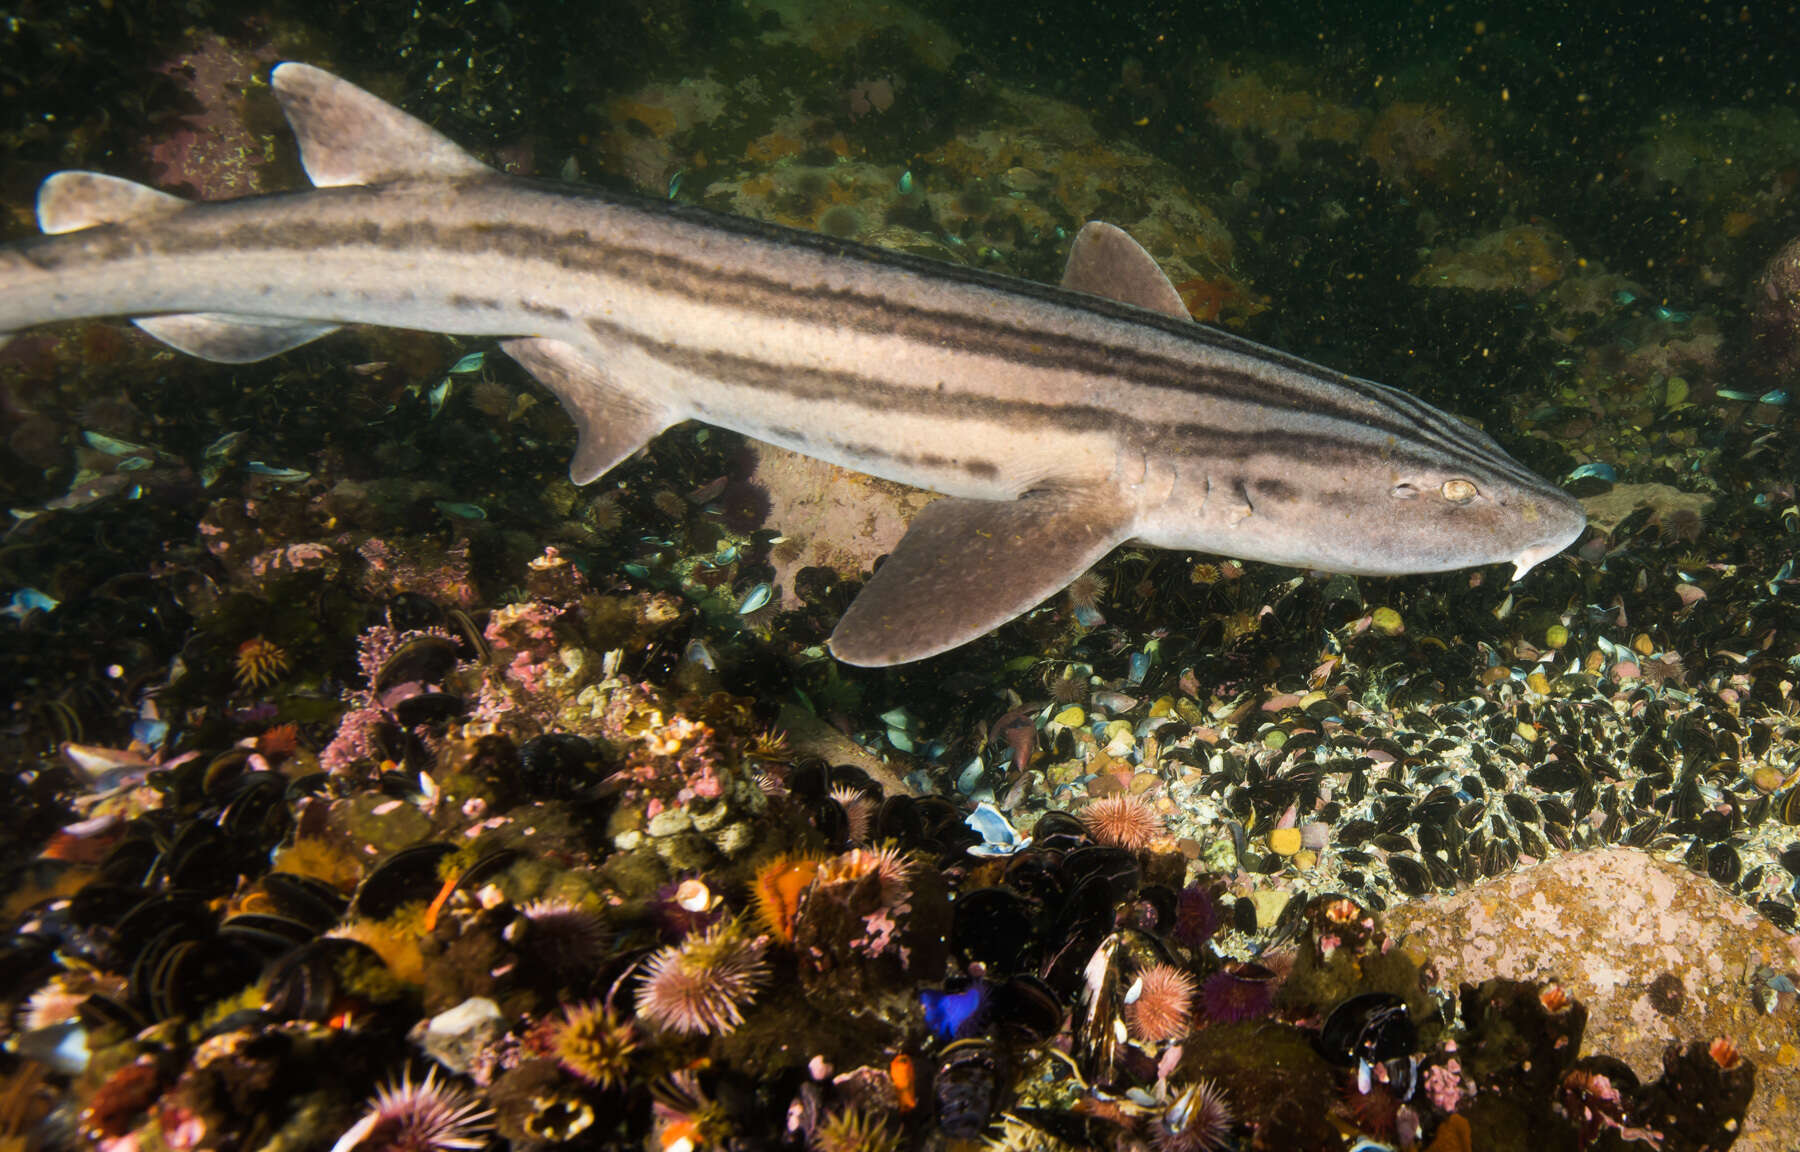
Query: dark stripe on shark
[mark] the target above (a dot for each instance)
(874, 395)
(764, 294)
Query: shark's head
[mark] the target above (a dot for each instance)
(1437, 516)
(1380, 489)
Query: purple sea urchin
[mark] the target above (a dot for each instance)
(564, 936)
(430, 1116)
(1238, 992)
(702, 984)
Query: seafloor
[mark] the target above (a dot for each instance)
(369, 785)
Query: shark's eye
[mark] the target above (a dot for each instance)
(1459, 491)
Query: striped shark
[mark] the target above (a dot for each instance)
(1056, 421)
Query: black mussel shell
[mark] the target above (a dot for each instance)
(424, 659)
(200, 860)
(1037, 874)
(1114, 868)
(1723, 863)
(995, 927)
(100, 1012)
(809, 779)
(272, 935)
(132, 860)
(489, 865)
(967, 1088)
(898, 819)
(1059, 831)
(409, 876)
(412, 612)
(412, 709)
(227, 766)
(190, 974)
(256, 810)
(1026, 1009)
(829, 817)
(1410, 876)
(308, 983)
(1374, 1027)
(311, 784)
(305, 898)
(25, 961)
(186, 914)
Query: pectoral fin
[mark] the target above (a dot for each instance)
(965, 567)
(610, 422)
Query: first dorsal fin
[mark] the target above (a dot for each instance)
(1106, 261)
(71, 201)
(348, 136)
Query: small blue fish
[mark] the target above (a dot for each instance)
(998, 836)
(906, 183)
(675, 184)
(460, 510)
(470, 363)
(278, 475)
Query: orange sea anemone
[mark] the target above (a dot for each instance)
(777, 890)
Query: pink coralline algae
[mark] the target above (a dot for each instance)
(525, 650)
(294, 558)
(393, 568)
(1443, 1084)
(356, 739)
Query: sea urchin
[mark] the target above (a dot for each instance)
(702, 984)
(1122, 821)
(1198, 1120)
(1157, 1006)
(593, 1043)
(430, 1116)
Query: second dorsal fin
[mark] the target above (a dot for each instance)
(1106, 261)
(349, 136)
(71, 201)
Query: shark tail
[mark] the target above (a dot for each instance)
(74, 201)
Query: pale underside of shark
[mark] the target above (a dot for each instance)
(1058, 422)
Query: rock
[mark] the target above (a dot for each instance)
(1656, 953)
